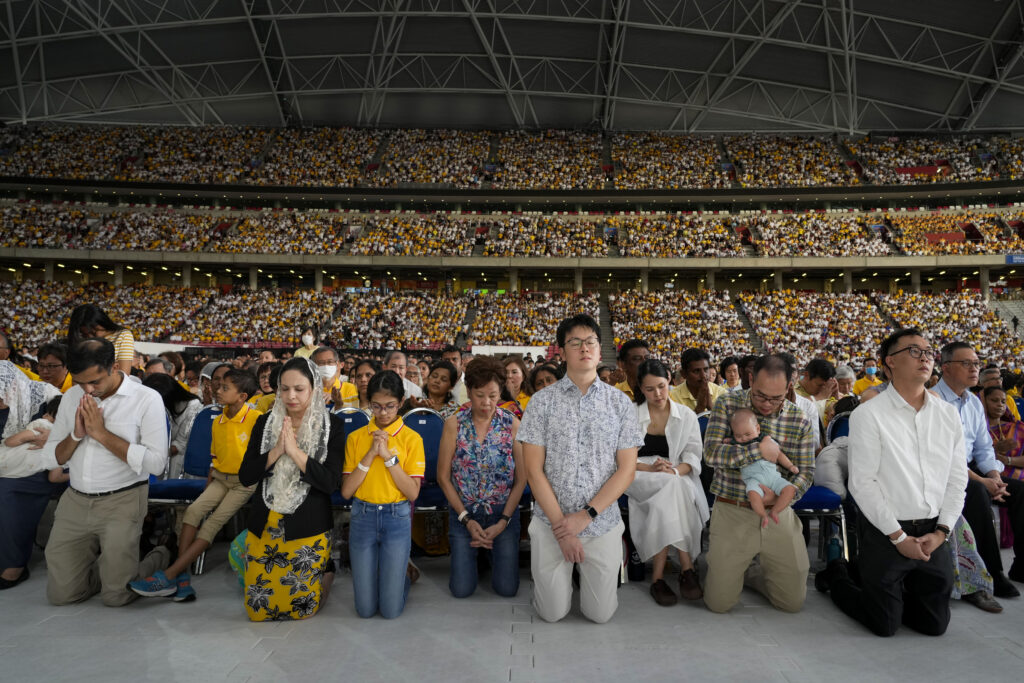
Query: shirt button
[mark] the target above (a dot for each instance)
(380, 507)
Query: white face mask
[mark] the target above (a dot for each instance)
(307, 340)
(327, 371)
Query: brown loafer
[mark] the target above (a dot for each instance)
(983, 600)
(662, 594)
(689, 585)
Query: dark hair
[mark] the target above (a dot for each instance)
(692, 355)
(91, 353)
(774, 364)
(326, 349)
(819, 368)
(891, 340)
(269, 365)
(373, 363)
(176, 360)
(451, 348)
(52, 406)
(453, 376)
(55, 349)
(946, 354)
(275, 375)
(630, 345)
(846, 404)
(525, 387)
(312, 327)
(167, 365)
(485, 369)
(172, 393)
(578, 320)
(748, 360)
(387, 381)
(220, 366)
(392, 353)
(726, 362)
(988, 390)
(195, 366)
(651, 366)
(544, 367)
(244, 381)
(299, 364)
(90, 316)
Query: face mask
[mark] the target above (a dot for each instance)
(307, 340)
(327, 371)
(870, 371)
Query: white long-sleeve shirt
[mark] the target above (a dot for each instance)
(136, 414)
(906, 463)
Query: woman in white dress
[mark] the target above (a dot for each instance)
(667, 507)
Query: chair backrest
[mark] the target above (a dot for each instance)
(702, 420)
(839, 426)
(429, 425)
(198, 451)
(353, 418)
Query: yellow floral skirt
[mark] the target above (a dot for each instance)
(283, 578)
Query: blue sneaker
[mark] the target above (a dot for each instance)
(185, 592)
(156, 586)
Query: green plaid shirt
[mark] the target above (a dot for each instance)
(788, 427)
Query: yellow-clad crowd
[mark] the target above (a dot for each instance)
(673, 321)
(1009, 156)
(546, 236)
(527, 318)
(881, 156)
(911, 233)
(32, 309)
(676, 236)
(660, 161)
(285, 232)
(151, 312)
(318, 157)
(550, 160)
(411, 320)
(69, 151)
(255, 317)
(837, 327)
(787, 161)
(811, 234)
(45, 227)
(452, 158)
(200, 155)
(411, 234)
(152, 230)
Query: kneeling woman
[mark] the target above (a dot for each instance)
(295, 453)
(384, 463)
(667, 507)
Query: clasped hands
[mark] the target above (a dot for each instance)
(88, 419)
(484, 538)
(921, 547)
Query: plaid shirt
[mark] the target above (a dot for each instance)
(789, 427)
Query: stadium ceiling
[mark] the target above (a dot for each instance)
(682, 65)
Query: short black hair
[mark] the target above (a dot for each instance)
(846, 404)
(244, 381)
(578, 320)
(946, 354)
(651, 366)
(774, 364)
(630, 345)
(91, 353)
(726, 362)
(819, 368)
(748, 360)
(451, 348)
(692, 355)
(55, 349)
(891, 340)
(372, 362)
(988, 390)
(387, 381)
(175, 397)
(52, 406)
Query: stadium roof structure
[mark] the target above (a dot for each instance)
(673, 65)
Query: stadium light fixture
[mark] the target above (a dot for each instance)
(61, 265)
(95, 267)
(863, 279)
(907, 274)
(78, 272)
(227, 270)
(974, 273)
(942, 272)
(12, 270)
(27, 265)
(930, 279)
(110, 272)
(874, 274)
(163, 267)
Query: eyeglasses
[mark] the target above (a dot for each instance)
(378, 408)
(966, 364)
(50, 366)
(577, 344)
(916, 352)
(772, 400)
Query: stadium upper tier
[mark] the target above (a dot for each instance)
(558, 160)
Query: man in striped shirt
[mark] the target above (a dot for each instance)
(736, 533)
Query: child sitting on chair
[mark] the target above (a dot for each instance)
(746, 431)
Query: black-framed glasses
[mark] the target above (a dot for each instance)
(916, 352)
(966, 364)
(771, 400)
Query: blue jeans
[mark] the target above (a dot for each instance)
(379, 540)
(504, 555)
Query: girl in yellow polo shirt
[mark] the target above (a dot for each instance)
(384, 464)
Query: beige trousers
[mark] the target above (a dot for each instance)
(221, 499)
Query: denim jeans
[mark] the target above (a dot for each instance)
(504, 555)
(379, 540)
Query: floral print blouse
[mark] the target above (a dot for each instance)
(483, 472)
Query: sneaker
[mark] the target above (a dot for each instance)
(689, 585)
(185, 592)
(662, 594)
(983, 600)
(1002, 587)
(156, 586)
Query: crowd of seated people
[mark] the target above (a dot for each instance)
(151, 312)
(676, 236)
(318, 157)
(659, 161)
(285, 232)
(254, 317)
(955, 316)
(1009, 155)
(526, 318)
(881, 157)
(420, 320)
(672, 321)
(812, 234)
(912, 230)
(837, 327)
(550, 160)
(156, 230)
(546, 236)
(787, 161)
(449, 157)
(69, 151)
(24, 225)
(214, 155)
(410, 234)
(32, 309)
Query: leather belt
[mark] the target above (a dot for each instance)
(110, 493)
(730, 501)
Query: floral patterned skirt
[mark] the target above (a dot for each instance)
(282, 578)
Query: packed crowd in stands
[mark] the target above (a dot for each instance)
(156, 230)
(552, 160)
(1009, 153)
(546, 236)
(526, 318)
(42, 226)
(254, 317)
(285, 232)
(318, 157)
(448, 157)
(70, 151)
(217, 155)
(812, 234)
(955, 316)
(32, 310)
(787, 161)
(420, 320)
(411, 234)
(656, 161)
(672, 321)
(151, 312)
(912, 230)
(676, 236)
(842, 328)
(958, 158)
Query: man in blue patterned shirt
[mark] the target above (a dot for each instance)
(580, 438)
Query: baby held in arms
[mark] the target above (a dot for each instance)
(762, 472)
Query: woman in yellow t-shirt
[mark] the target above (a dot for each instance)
(384, 464)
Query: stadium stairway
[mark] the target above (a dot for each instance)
(608, 351)
(1006, 309)
(467, 324)
(755, 338)
(378, 156)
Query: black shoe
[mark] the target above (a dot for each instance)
(836, 569)
(983, 601)
(11, 583)
(1002, 588)
(662, 594)
(1016, 572)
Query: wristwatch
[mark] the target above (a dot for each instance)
(464, 518)
(392, 462)
(944, 529)
(507, 519)
(590, 511)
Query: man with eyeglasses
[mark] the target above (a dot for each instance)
(907, 475)
(736, 533)
(986, 485)
(580, 439)
(53, 365)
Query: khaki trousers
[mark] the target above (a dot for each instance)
(736, 538)
(222, 498)
(94, 547)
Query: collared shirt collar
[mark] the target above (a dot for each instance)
(567, 385)
(946, 392)
(127, 387)
(392, 429)
(900, 402)
(239, 416)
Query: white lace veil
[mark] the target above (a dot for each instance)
(23, 396)
(283, 489)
